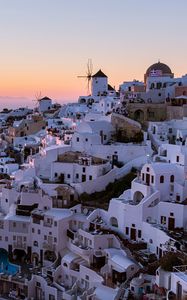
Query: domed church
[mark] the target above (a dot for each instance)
(158, 76)
(158, 70)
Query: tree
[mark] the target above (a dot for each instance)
(169, 260)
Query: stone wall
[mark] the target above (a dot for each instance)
(125, 127)
(145, 112)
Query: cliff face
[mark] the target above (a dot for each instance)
(127, 130)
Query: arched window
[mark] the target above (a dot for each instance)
(172, 177)
(159, 85)
(162, 179)
(114, 222)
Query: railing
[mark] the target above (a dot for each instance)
(182, 270)
(79, 249)
(19, 245)
(46, 224)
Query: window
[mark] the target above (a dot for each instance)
(77, 176)
(77, 139)
(55, 223)
(38, 284)
(24, 225)
(162, 179)
(32, 230)
(14, 224)
(84, 169)
(6, 200)
(35, 243)
(127, 230)
(6, 238)
(172, 178)
(45, 237)
(133, 225)
(14, 237)
(139, 234)
(55, 240)
(24, 239)
(147, 169)
(152, 179)
(87, 277)
(171, 214)
(38, 231)
(90, 177)
(86, 140)
(163, 220)
(69, 176)
(177, 158)
(178, 198)
(56, 174)
(143, 176)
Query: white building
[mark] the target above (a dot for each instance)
(45, 104)
(99, 84)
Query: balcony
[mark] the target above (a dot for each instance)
(181, 272)
(79, 248)
(18, 245)
(47, 224)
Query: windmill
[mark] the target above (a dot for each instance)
(88, 75)
(38, 96)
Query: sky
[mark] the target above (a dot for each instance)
(45, 44)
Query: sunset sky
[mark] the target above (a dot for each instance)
(45, 44)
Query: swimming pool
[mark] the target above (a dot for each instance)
(5, 266)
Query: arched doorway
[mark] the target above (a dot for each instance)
(138, 196)
(114, 222)
(35, 258)
(50, 255)
(139, 115)
(19, 255)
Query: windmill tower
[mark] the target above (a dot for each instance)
(99, 84)
(88, 75)
(43, 104)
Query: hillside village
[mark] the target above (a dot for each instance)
(59, 238)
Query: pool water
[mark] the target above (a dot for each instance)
(5, 266)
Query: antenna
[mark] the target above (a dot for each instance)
(88, 75)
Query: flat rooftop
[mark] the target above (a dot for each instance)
(75, 157)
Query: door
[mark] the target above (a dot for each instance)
(179, 291)
(160, 253)
(133, 234)
(147, 179)
(171, 223)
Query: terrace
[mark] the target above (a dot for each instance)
(78, 157)
(181, 272)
